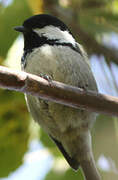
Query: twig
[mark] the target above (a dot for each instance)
(57, 92)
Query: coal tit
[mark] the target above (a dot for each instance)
(50, 49)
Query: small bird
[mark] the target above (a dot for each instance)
(51, 50)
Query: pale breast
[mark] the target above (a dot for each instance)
(67, 66)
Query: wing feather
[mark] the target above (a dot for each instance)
(72, 162)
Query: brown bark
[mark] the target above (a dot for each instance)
(58, 92)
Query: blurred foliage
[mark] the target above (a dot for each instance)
(14, 132)
(89, 21)
(14, 119)
(105, 144)
(47, 142)
(36, 7)
(69, 174)
(10, 17)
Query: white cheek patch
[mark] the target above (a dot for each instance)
(52, 32)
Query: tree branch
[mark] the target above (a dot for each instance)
(57, 92)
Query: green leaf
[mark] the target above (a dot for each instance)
(14, 131)
(48, 143)
(10, 17)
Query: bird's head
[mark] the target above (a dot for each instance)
(43, 28)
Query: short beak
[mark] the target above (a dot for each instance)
(20, 29)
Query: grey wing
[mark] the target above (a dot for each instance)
(91, 78)
(73, 68)
(37, 115)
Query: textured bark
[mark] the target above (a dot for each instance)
(58, 92)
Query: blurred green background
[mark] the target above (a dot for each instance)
(94, 23)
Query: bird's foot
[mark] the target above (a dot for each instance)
(46, 77)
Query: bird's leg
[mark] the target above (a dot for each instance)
(46, 77)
